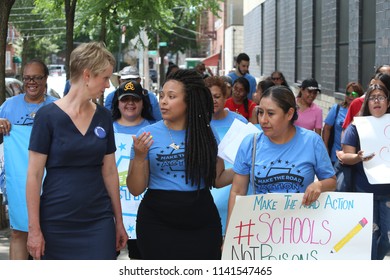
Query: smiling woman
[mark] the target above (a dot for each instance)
(309, 114)
(21, 109)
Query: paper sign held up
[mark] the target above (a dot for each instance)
(228, 147)
(275, 226)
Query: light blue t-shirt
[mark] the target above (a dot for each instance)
(221, 195)
(251, 80)
(228, 120)
(118, 128)
(17, 111)
(284, 168)
(156, 113)
(338, 128)
(166, 165)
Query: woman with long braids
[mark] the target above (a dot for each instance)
(176, 160)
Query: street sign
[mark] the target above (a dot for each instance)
(163, 44)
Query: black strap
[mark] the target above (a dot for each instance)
(337, 112)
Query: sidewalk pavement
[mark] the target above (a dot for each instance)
(4, 243)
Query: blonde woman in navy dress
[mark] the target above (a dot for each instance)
(176, 160)
(78, 215)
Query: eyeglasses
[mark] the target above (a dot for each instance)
(276, 78)
(34, 79)
(379, 98)
(353, 93)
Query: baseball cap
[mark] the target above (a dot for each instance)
(130, 88)
(310, 84)
(128, 72)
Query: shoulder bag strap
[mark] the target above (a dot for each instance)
(337, 111)
(253, 162)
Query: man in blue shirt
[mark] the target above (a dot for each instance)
(242, 70)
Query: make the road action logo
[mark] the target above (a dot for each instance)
(282, 181)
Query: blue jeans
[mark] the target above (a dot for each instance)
(381, 227)
(344, 177)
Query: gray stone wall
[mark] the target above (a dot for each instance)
(287, 46)
(287, 40)
(269, 36)
(252, 40)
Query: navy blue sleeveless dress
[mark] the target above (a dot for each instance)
(76, 215)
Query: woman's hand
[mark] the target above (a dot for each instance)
(312, 193)
(314, 190)
(121, 237)
(5, 126)
(142, 144)
(36, 244)
(365, 157)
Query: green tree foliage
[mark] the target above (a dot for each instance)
(67, 21)
(38, 37)
(102, 19)
(5, 9)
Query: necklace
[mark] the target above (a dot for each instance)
(32, 108)
(172, 145)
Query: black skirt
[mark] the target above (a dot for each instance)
(174, 225)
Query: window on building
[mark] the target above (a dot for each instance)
(317, 38)
(262, 41)
(298, 47)
(342, 44)
(277, 35)
(8, 65)
(367, 42)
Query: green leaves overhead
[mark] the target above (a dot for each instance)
(172, 21)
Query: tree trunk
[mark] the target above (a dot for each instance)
(70, 10)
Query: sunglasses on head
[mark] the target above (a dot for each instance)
(353, 93)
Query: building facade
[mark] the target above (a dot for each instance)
(12, 62)
(333, 41)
